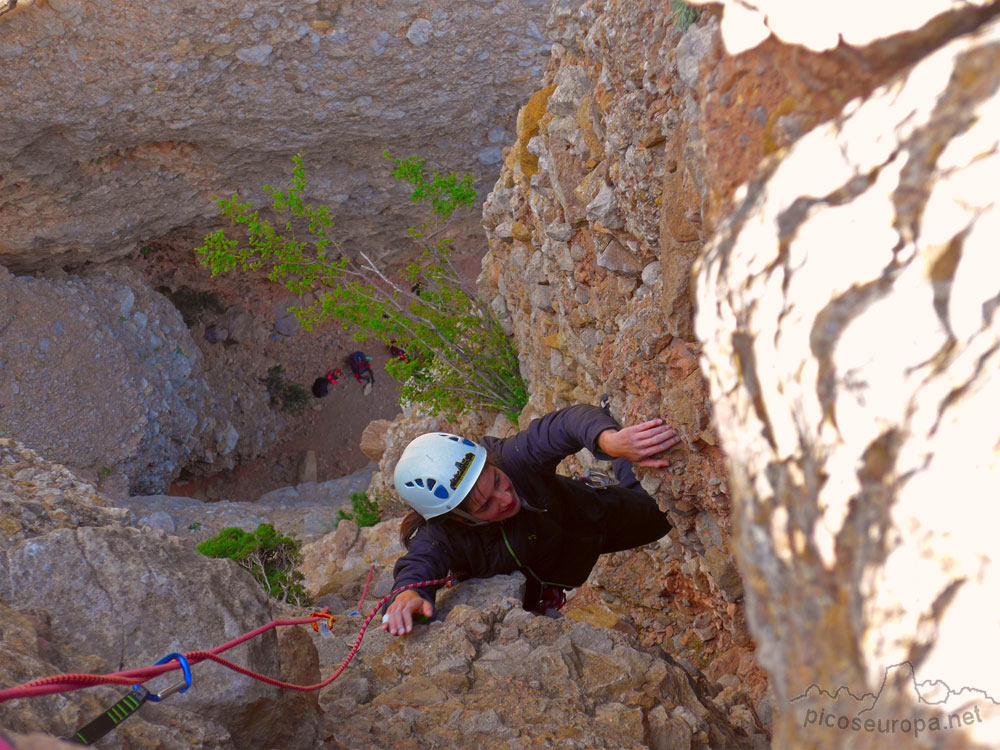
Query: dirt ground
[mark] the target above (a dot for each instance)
(331, 427)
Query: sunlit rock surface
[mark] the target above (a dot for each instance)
(848, 314)
(821, 26)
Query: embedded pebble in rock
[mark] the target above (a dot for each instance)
(420, 32)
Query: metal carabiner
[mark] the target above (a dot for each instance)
(179, 687)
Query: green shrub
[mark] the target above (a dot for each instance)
(366, 512)
(458, 356)
(289, 397)
(684, 15)
(270, 557)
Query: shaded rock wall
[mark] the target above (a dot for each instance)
(123, 120)
(100, 373)
(81, 593)
(848, 313)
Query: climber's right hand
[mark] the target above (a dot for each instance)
(398, 618)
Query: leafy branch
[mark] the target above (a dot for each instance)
(458, 357)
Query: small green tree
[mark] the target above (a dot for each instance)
(458, 357)
(269, 556)
(365, 512)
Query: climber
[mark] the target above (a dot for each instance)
(479, 510)
(321, 386)
(397, 352)
(361, 366)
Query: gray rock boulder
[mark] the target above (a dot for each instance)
(306, 511)
(31, 651)
(100, 373)
(130, 598)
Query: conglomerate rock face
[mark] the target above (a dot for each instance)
(848, 310)
(593, 227)
(834, 396)
(486, 672)
(122, 120)
(629, 157)
(84, 594)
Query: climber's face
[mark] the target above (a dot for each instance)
(494, 497)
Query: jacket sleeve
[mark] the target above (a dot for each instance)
(550, 439)
(427, 559)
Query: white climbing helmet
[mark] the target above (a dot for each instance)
(437, 471)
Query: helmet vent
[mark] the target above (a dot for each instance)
(441, 491)
(430, 483)
(420, 482)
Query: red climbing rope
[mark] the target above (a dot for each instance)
(65, 683)
(364, 593)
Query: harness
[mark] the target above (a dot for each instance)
(553, 595)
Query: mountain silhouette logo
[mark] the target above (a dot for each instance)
(927, 692)
(937, 706)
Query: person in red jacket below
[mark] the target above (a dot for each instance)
(490, 508)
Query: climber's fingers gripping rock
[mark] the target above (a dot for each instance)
(639, 443)
(398, 618)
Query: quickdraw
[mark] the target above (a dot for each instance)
(127, 706)
(131, 703)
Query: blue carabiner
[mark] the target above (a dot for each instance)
(179, 687)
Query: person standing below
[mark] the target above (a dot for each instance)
(490, 508)
(321, 386)
(361, 366)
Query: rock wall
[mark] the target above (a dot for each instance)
(80, 592)
(486, 670)
(636, 150)
(100, 373)
(835, 205)
(122, 120)
(593, 228)
(848, 314)
(490, 673)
